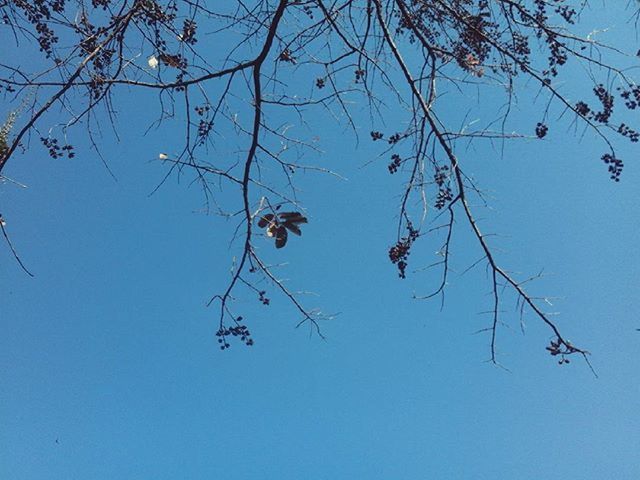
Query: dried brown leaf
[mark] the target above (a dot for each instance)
(265, 219)
(281, 237)
(293, 228)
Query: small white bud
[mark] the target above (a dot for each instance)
(153, 61)
(163, 156)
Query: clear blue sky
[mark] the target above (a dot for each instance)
(110, 368)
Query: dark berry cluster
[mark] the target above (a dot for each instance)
(308, 11)
(628, 132)
(360, 73)
(541, 130)
(102, 60)
(444, 196)
(631, 97)
(396, 161)
(557, 55)
(204, 128)
(100, 3)
(56, 150)
(607, 104)
(399, 253)
(615, 166)
(179, 80)
(582, 109)
(202, 109)
(375, 135)
(632, 101)
(473, 48)
(262, 297)
(320, 82)
(189, 32)
(395, 138)
(204, 125)
(96, 85)
(239, 331)
(441, 177)
(155, 14)
(521, 47)
(566, 12)
(39, 13)
(175, 61)
(541, 13)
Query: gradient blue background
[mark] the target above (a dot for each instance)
(110, 368)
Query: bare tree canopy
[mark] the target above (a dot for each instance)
(279, 62)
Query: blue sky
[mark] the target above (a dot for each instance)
(110, 367)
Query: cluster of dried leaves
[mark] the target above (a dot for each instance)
(278, 224)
